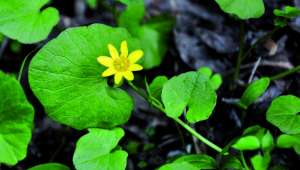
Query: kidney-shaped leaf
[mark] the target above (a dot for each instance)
(244, 9)
(96, 151)
(192, 90)
(50, 166)
(66, 78)
(24, 21)
(16, 121)
(283, 113)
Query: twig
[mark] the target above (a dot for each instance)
(254, 70)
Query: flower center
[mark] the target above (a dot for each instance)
(121, 64)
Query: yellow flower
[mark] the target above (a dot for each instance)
(121, 65)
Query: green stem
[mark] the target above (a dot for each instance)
(285, 73)
(244, 161)
(184, 125)
(198, 136)
(241, 52)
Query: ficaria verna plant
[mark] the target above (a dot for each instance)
(86, 78)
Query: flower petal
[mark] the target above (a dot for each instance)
(128, 75)
(106, 61)
(135, 67)
(118, 78)
(124, 49)
(113, 51)
(108, 72)
(135, 56)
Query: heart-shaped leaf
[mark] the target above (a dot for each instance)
(96, 151)
(215, 80)
(24, 21)
(192, 90)
(283, 113)
(16, 121)
(66, 78)
(244, 9)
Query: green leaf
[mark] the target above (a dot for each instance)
(97, 151)
(66, 78)
(16, 121)
(214, 79)
(284, 113)
(178, 166)
(156, 86)
(289, 12)
(260, 162)
(192, 90)
(289, 141)
(50, 166)
(92, 3)
(244, 9)
(200, 161)
(231, 163)
(255, 137)
(247, 143)
(254, 91)
(24, 20)
(153, 35)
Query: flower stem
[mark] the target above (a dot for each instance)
(159, 106)
(285, 73)
(198, 136)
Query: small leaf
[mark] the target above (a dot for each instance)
(24, 21)
(214, 79)
(254, 91)
(244, 9)
(287, 12)
(289, 141)
(283, 113)
(156, 86)
(255, 137)
(16, 121)
(230, 163)
(200, 161)
(192, 90)
(50, 166)
(96, 151)
(66, 78)
(247, 143)
(178, 166)
(92, 3)
(153, 35)
(260, 162)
